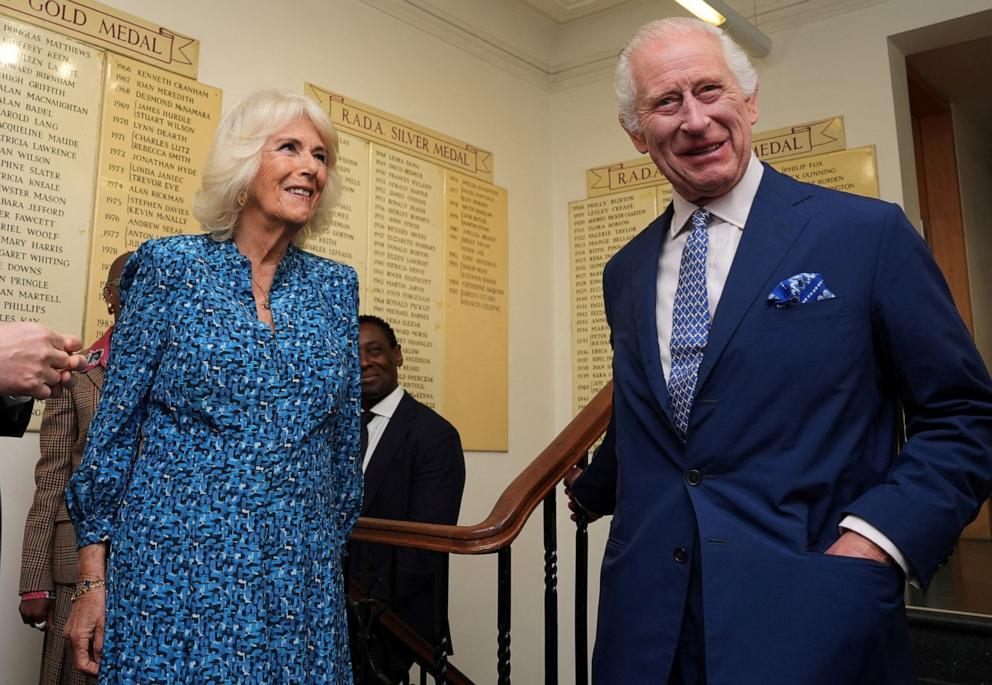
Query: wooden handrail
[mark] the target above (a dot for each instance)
(514, 506)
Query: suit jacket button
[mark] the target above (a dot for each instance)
(693, 477)
(680, 555)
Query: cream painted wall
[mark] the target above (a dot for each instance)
(542, 143)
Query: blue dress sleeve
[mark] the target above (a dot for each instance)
(345, 435)
(97, 487)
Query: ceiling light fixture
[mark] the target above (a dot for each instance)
(720, 14)
(702, 10)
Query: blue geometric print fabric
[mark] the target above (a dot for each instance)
(799, 289)
(223, 468)
(690, 321)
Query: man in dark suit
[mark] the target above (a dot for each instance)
(414, 471)
(34, 362)
(766, 336)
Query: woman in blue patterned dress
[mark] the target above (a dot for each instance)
(221, 473)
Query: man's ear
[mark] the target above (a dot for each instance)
(398, 355)
(637, 139)
(752, 106)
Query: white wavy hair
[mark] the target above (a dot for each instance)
(237, 152)
(666, 29)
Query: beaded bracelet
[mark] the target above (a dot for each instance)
(85, 585)
(40, 594)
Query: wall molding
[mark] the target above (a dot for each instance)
(423, 15)
(769, 15)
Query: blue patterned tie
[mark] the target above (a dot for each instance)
(690, 321)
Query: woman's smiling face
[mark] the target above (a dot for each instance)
(291, 175)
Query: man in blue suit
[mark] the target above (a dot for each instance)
(767, 336)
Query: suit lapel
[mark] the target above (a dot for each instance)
(388, 447)
(772, 228)
(645, 300)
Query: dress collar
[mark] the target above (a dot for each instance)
(235, 269)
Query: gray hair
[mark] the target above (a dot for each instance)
(665, 29)
(237, 152)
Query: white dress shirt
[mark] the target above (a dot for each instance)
(383, 410)
(724, 233)
(729, 216)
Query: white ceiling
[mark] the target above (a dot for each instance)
(558, 44)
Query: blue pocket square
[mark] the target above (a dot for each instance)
(799, 289)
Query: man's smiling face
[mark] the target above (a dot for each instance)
(695, 121)
(380, 362)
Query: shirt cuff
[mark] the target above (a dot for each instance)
(858, 525)
(14, 400)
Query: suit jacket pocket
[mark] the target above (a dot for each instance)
(831, 619)
(65, 558)
(62, 514)
(809, 312)
(856, 580)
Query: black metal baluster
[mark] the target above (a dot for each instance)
(391, 576)
(550, 590)
(442, 631)
(581, 597)
(503, 617)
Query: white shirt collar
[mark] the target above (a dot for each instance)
(387, 405)
(732, 208)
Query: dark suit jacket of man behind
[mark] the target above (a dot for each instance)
(793, 428)
(14, 419)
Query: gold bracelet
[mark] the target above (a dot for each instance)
(85, 585)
